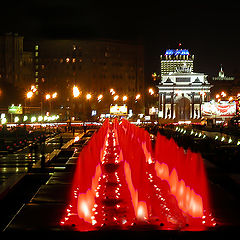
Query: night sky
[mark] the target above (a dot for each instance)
(210, 31)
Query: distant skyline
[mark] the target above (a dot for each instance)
(210, 32)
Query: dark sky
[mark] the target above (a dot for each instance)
(210, 31)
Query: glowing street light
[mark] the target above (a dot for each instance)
(29, 94)
(125, 98)
(150, 90)
(88, 96)
(115, 98)
(217, 96)
(54, 95)
(33, 88)
(112, 91)
(16, 119)
(48, 96)
(76, 92)
(223, 94)
(100, 97)
(137, 96)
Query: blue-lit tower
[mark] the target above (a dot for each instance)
(175, 58)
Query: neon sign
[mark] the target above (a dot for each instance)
(177, 52)
(118, 110)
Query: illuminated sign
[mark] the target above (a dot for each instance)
(15, 109)
(177, 52)
(221, 109)
(118, 110)
(153, 111)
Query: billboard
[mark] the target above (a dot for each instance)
(118, 110)
(15, 109)
(218, 109)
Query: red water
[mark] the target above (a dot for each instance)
(121, 182)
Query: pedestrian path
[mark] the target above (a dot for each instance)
(49, 202)
(16, 165)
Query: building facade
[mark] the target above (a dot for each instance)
(181, 94)
(16, 69)
(174, 58)
(95, 66)
(11, 50)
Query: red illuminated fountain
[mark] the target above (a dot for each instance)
(121, 182)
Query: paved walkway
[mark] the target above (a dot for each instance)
(49, 202)
(14, 166)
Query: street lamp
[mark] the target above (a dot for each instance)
(33, 88)
(223, 94)
(112, 91)
(150, 90)
(48, 96)
(115, 98)
(76, 91)
(29, 94)
(54, 95)
(137, 96)
(100, 97)
(125, 98)
(88, 96)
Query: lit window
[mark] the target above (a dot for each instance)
(67, 60)
(36, 47)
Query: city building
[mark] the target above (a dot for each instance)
(221, 76)
(95, 67)
(16, 69)
(224, 83)
(11, 50)
(182, 92)
(174, 58)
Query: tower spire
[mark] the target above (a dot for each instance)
(221, 72)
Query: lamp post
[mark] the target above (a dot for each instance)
(48, 97)
(29, 95)
(88, 109)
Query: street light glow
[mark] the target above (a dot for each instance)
(76, 92)
(150, 90)
(115, 97)
(54, 95)
(112, 91)
(138, 96)
(125, 98)
(29, 94)
(48, 96)
(223, 94)
(33, 88)
(88, 96)
(100, 97)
